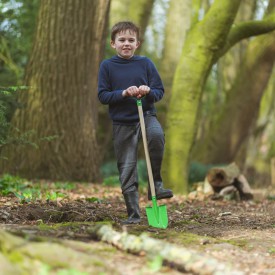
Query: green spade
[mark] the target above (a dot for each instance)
(156, 215)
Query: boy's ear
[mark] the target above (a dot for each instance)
(138, 44)
(112, 44)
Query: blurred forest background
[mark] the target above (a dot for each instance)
(216, 59)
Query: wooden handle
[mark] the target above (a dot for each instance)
(147, 157)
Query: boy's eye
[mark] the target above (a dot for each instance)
(123, 40)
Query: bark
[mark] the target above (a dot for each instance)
(49, 255)
(62, 100)
(177, 25)
(223, 176)
(247, 29)
(64, 255)
(201, 50)
(233, 126)
(228, 179)
(227, 70)
(201, 45)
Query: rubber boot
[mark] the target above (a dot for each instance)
(161, 193)
(132, 205)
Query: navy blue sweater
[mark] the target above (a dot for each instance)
(117, 74)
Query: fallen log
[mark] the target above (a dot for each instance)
(229, 178)
(21, 256)
(181, 258)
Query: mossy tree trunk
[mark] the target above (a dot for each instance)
(236, 119)
(227, 69)
(62, 100)
(177, 25)
(240, 111)
(202, 43)
(206, 42)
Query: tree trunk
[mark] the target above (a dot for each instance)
(227, 70)
(62, 100)
(233, 126)
(199, 50)
(177, 26)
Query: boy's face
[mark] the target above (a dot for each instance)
(125, 44)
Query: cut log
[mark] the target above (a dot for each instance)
(221, 177)
(181, 258)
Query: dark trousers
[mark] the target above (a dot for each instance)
(126, 139)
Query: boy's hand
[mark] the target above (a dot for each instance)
(131, 91)
(143, 90)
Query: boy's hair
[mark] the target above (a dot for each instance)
(122, 27)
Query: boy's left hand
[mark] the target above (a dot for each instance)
(143, 90)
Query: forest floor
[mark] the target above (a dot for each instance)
(240, 234)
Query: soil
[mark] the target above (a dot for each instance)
(239, 233)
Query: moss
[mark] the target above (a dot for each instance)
(240, 243)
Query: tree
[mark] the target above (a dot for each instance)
(206, 42)
(177, 25)
(240, 111)
(62, 100)
(16, 35)
(138, 11)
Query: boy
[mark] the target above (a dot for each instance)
(121, 80)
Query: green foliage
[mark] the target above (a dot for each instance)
(26, 191)
(111, 181)
(64, 185)
(94, 200)
(8, 104)
(10, 184)
(28, 195)
(155, 264)
(198, 171)
(17, 29)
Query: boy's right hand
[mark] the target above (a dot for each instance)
(131, 91)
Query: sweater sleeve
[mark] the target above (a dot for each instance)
(156, 87)
(105, 93)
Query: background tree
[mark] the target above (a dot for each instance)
(62, 100)
(176, 27)
(233, 126)
(208, 40)
(220, 82)
(16, 35)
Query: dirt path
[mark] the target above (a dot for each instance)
(241, 234)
